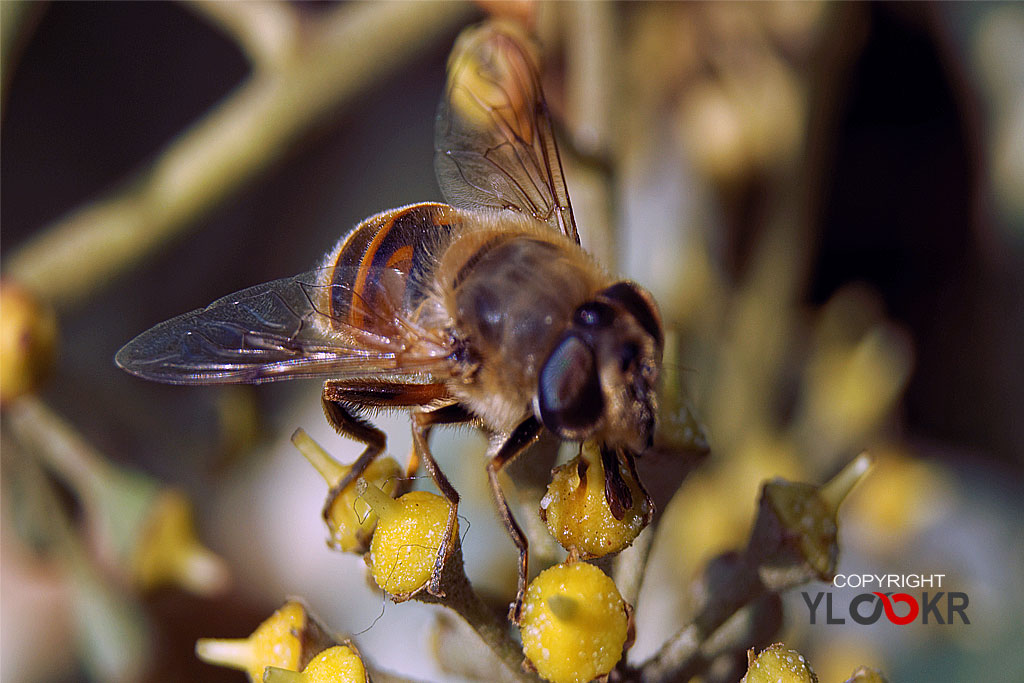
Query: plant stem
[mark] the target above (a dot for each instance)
(494, 631)
(491, 629)
(268, 31)
(349, 49)
(59, 445)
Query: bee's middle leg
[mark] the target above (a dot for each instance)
(423, 423)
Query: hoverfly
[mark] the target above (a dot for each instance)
(484, 310)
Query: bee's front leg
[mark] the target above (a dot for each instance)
(502, 451)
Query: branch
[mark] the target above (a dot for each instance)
(267, 31)
(461, 598)
(18, 20)
(345, 52)
(793, 541)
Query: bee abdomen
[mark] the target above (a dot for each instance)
(395, 245)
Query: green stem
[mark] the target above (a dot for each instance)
(268, 31)
(494, 631)
(62, 448)
(345, 52)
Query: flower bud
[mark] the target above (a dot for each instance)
(28, 338)
(338, 664)
(349, 519)
(138, 528)
(481, 77)
(574, 623)
(576, 510)
(168, 551)
(409, 532)
(795, 533)
(778, 664)
(288, 639)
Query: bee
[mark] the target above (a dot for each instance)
(484, 310)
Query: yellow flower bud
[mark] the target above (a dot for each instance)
(338, 664)
(574, 623)
(168, 551)
(138, 529)
(289, 639)
(28, 337)
(409, 533)
(576, 510)
(350, 520)
(778, 664)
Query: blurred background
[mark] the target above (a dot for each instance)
(827, 200)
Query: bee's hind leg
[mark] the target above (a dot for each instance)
(423, 422)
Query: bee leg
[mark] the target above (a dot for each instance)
(501, 453)
(338, 395)
(616, 490)
(631, 463)
(423, 423)
(354, 427)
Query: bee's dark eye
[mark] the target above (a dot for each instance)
(628, 355)
(569, 398)
(637, 303)
(594, 314)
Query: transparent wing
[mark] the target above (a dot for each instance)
(493, 141)
(295, 327)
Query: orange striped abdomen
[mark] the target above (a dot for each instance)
(378, 269)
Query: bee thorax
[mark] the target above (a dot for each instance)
(513, 298)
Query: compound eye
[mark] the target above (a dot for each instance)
(569, 398)
(639, 304)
